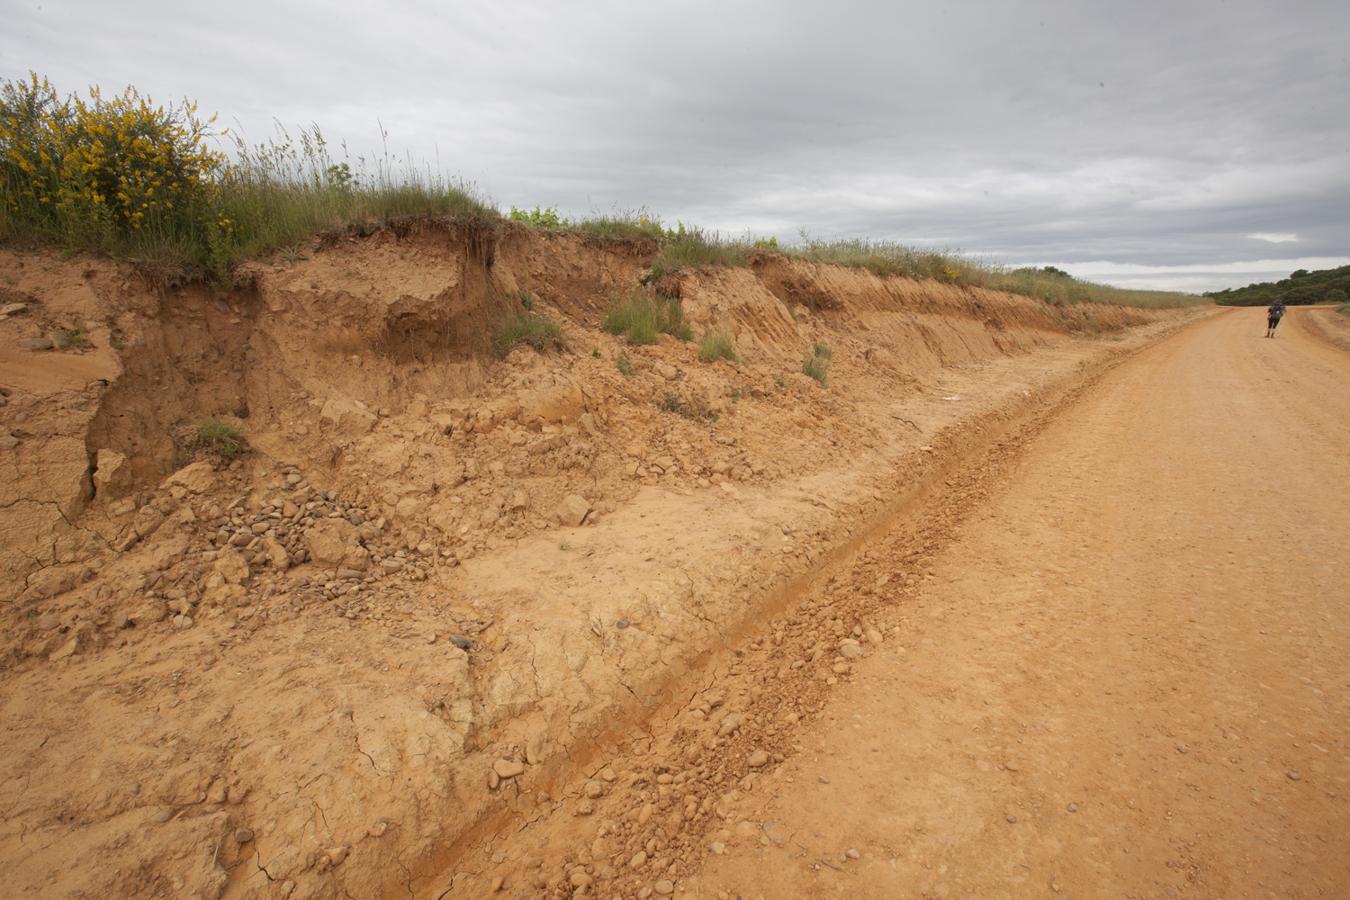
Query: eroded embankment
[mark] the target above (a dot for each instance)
(658, 793)
(1324, 323)
(296, 673)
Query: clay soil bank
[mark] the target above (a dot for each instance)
(444, 594)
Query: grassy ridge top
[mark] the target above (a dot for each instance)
(140, 181)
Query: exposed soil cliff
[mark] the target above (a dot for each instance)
(438, 576)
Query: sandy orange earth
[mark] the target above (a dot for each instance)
(1109, 658)
(610, 619)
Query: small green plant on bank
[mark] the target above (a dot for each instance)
(539, 218)
(640, 319)
(1344, 309)
(73, 339)
(818, 363)
(694, 408)
(716, 346)
(221, 438)
(527, 328)
(624, 365)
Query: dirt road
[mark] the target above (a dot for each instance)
(1111, 661)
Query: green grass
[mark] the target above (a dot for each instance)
(1060, 289)
(157, 193)
(221, 438)
(817, 365)
(282, 192)
(642, 320)
(620, 226)
(624, 365)
(526, 328)
(880, 258)
(716, 346)
(1048, 284)
(694, 248)
(73, 339)
(216, 211)
(1344, 309)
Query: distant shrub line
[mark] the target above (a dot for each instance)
(1301, 287)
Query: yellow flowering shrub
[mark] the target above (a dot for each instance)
(123, 175)
(90, 170)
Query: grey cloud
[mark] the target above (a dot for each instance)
(1150, 133)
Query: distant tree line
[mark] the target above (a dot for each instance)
(1301, 287)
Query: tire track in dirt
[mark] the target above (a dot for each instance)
(1127, 676)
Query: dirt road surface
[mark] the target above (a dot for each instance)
(1110, 661)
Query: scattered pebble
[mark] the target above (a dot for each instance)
(1293, 775)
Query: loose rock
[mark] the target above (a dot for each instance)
(573, 510)
(508, 768)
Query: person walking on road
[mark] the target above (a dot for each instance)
(1273, 317)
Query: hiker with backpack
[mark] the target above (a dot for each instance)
(1273, 316)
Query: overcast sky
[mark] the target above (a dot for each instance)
(1187, 144)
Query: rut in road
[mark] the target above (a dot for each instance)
(1111, 655)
